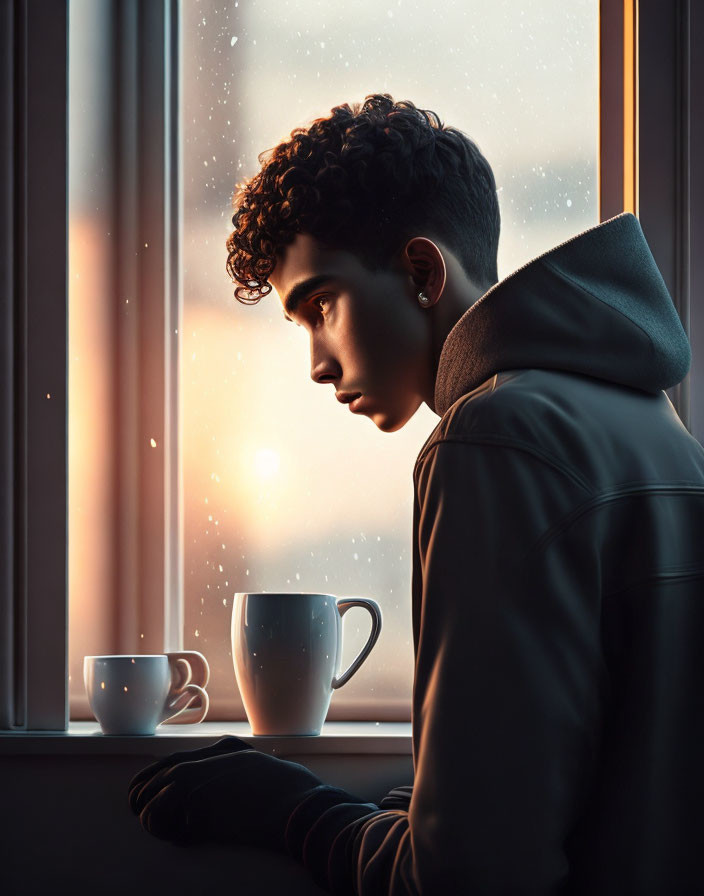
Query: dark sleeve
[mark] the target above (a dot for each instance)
(507, 693)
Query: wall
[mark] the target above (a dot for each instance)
(67, 828)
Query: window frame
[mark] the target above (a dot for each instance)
(33, 459)
(137, 187)
(645, 158)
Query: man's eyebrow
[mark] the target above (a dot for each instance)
(301, 290)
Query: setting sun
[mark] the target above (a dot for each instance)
(266, 463)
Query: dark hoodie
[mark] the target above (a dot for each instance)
(558, 604)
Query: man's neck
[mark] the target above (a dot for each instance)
(453, 304)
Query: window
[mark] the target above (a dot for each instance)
(283, 488)
(124, 458)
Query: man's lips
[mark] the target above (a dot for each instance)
(347, 397)
(353, 399)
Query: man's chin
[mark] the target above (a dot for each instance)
(387, 422)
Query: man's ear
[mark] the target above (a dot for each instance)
(426, 267)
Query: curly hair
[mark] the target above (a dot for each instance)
(365, 180)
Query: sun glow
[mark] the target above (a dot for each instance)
(266, 463)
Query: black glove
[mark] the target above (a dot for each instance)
(229, 744)
(227, 793)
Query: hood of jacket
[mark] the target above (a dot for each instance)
(596, 304)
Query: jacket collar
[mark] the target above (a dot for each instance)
(596, 304)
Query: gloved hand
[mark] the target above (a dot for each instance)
(229, 744)
(226, 793)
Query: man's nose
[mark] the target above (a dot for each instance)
(323, 366)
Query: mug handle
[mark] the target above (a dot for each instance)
(175, 710)
(196, 668)
(343, 605)
(186, 665)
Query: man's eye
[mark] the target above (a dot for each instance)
(321, 301)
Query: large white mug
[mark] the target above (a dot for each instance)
(286, 649)
(133, 693)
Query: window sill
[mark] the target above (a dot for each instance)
(336, 738)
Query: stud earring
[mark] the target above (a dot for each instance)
(423, 299)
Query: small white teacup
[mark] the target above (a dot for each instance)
(132, 694)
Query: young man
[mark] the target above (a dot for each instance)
(558, 599)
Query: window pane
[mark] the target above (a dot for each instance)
(92, 461)
(285, 489)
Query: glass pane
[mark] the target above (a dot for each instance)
(284, 488)
(92, 524)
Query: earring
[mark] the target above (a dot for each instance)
(423, 299)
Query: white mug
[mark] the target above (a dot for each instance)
(286, 650)
(132, 694)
